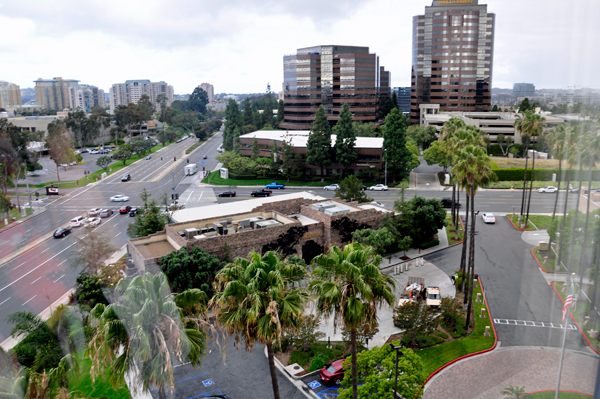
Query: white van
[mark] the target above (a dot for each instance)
(77, 222)
(190, 169)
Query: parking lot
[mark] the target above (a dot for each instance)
(319, 387)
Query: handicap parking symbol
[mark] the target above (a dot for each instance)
(314, 384)
(208, 382)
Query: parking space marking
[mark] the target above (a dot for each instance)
(314, 384)
(208, 382)
(205, 394)
(329, 395)
(529, 323)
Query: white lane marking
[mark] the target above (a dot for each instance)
(29, 300)
(59, 278)
(45, 250)
(20, 265)
(32, 270)
(118, 234)
(35, 281)
(528, 323)
(5, 300)
(188, 198)
(24, 239)
(63, 262)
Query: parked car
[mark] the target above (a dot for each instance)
(377, 203)
(261, 193)
(148, 157)
(126, 177)
(379, 187)
(95, 221)
(275, 185)
(488, 218)
(133, 212)
(124, 209)
(227, 194)
(447, 202)
(119, 198)
(77, 222)
(331, 187)
(204, 156)
(83, 151)
(106, 213)
(62, 232)
(93, 151)
(549, 189)
(77, 152)
(333, 373)
(94, 212)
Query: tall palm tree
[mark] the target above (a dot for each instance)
(143, 330)
(474, 167)
(258, 298)
(535, 127)
(447, 133)
(350, 287)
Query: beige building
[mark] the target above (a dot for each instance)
(210, 91)
(53, 94)
(10, 94)
(132, 90)
(85, 97)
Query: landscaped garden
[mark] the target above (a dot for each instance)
(454, 236)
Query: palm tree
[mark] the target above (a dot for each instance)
(447, 133)
(514, 392)
(143, 330)
(536, 124)
(258, 298)
(350, 287)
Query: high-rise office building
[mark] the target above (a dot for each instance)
(453, 47)
(85, 97)
(523, 90)
(331, 76)
(10, 94)
(132, 90)
(403, 96)
(53, 94)
(210, 91)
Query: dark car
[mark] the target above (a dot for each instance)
(124, 209)
(227, 194)
(334, 373)
(133, 212)
(126, 177)
(203, 156)
(106, 213)
(261, 193)
(447, 202)
(62, 232)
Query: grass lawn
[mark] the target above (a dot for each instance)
(579, 313)
(550, 263)
(561, 395)
(435, 357)
(542, 222)
(503, 163)
(215, 178)
(450, 230)
(518, 185)
(82, 382)
(515, 220)
(14, 213)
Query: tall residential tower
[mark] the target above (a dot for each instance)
(53, 94)
(453, 48)
(210, 91)
(10, 94)
(132, 90)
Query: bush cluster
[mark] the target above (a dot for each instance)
(509, 174)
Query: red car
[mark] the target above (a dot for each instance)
(124, 209)
(334, 373)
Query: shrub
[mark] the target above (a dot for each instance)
(428, 244)
(451, 310)
(237, 175)
(317, 363)
(440, 334)
(299, 357)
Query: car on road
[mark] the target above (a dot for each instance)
(106, 213)
(574, 190)
(379, 187)
(333, 373)
(62, 232)
(261, 193)
(594, 191)
(377, 203)
(275, 185)
(549, 189)
(226, 194)
(204, 156)
(331, 187)
(83, 151)
(133, 212)
(95, 221)
(77, 222)
(447, 202)
(124, 209)
(488, 218)
(119, 198)
(94, 212)
(126, 177)
(148, 157)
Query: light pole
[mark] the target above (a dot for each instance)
(385, 154)
(28, 192)
(398, 353)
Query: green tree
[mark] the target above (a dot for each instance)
(258, 298)
(386, 105)
(123, 153)
(143, 329)
(365, 129)
(416, 320)
(82, 128)
(280, 112)
(166, 115)
(248, 117)
(255, 148)
(394, 141)
(90, 252)
(423, 136)
(267, 115)
(129, 116)
(350, 287)
(58, 145)
(351, 189)
(318, 147)
(414, 154)
(305, 334)
(426, 216)
(197, 101)
(525, 106)
(437, 153)
(89, 290)
(517, 392)
(148, 221)
(234, 121)
(196, 269)
(140, 146)
(187, 120)
(345, 141)
(161, 100)
(379, 239)
(146, 106)
(103, 162)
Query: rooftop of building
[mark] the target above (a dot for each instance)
(56, 80)
(509, 116)
(299, 138)
(138, 80)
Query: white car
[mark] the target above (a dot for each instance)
(93, 221)
(119, 198)
(549, 189)
(94, 211)
(379, 187)
(331, 187)
(377, 203)
(488, 218)
(77, 222)
(93, 151)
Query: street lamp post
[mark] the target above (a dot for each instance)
(385, 154)
(398, 353)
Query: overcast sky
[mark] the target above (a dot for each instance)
(238, 45)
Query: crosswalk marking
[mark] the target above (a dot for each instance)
(529, 323)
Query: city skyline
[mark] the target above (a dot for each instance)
(238, 46)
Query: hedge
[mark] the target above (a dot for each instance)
(236, 175)
(428, 244)
(515, 174)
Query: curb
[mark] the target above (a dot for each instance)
(538, 262)
(575, 321)
(516, 228)
(474, 353)
(21, 221)
(296, 381)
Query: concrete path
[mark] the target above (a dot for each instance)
(534, 237)
(535, 368)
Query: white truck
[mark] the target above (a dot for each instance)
(434, 299)
(190, 169)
